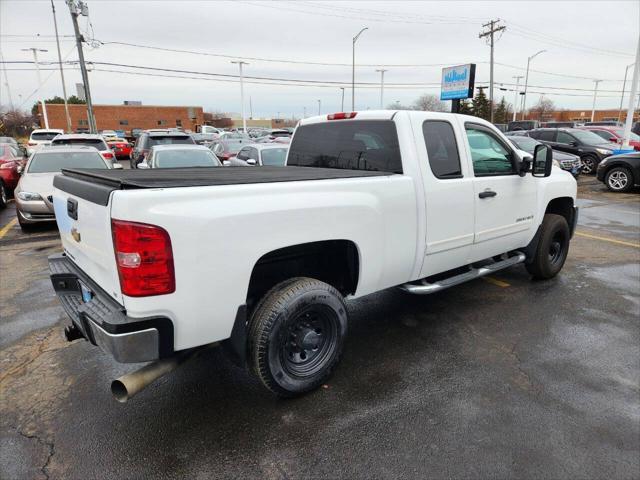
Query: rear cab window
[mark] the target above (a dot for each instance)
(170, 140)
(90, 142)
(351, 145)
(44, 135)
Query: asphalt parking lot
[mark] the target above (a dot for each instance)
(501, 377)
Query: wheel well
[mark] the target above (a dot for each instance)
(335, 262)
(562, 206)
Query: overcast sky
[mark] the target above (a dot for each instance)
(413, 40)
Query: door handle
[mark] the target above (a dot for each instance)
(487, 194)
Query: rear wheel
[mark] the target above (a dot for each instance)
(619, 179)
(589, 164)
(3, 195)
(552, 249)
(296, 335)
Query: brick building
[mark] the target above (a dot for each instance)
(583, 115)
(124, 117)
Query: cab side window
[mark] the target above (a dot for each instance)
(442, 149)
(253, 154)
(489, 155)
(243, 154)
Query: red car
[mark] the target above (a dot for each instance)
(613, 134)
(10, 160)
(121, 148)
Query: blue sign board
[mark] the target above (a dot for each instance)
(458, 82)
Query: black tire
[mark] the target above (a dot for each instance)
(619, 179)
(296, 335)
(552, 249)
(25, 227)
(589, 164)
(3, 195)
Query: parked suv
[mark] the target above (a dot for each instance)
(41, 137)
(90, 140)
(614, 135)
(148, 139)
(591, 148)
(522, 125)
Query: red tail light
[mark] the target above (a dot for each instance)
(341, 115)
(31, 144)
(144, 258)
(107, 155)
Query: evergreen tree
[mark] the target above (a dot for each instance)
(501, 113)
(466, 107)
(481, 105)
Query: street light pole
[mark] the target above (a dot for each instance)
(595, 94)
(353, 68)
(515, 97)
(244, 118)
(342, 103)
(624, 84)
(35, 59)
(526, 81)
(632, 97)
(382, 70)
(64, 86)
(73, 9)
(319, 106)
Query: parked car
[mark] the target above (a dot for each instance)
(620, 173)
(178, 156)
(517, 133)
(150, 138)
(614, 135)
(120, 147)
(559, 125)
(566, 161)
(9, 140)
(226, 149)
(523, 125)
(90, 140)
(11, 160)
(636, 128)
(269, 154)
(610, 123)
(204, 138)
(136, 132)
(373, 200)
(33, 194)
(591, 148)
(501, 126)
(40, 138)
(109, 133)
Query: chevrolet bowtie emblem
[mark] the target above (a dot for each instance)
(75, 234)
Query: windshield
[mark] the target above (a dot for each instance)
(171, 140)
(89, 142)
(55, 161)
(524, 143)
(274, 156)
(44, 135)
(233, 147)
(633, 137)
(185, 158)
(588, 138)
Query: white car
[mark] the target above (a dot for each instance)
(41, 137)
(261, 154)
(88, 139)
(179, 156)
(160, 264)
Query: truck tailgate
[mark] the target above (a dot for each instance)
(85, 228)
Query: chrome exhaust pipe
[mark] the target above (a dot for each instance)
(130, 384)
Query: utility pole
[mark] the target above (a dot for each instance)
(632, 97)
(382, 70)
(624, 84)
(6, 82)
(73, 9)
(595, 94)
(304, 112)
(342, 103)
(526, 81)
(319, 106)
(250, 108)
(515, 97)
(353, 69)
(493, 28)
(35, 59)
(244, 118)
(64, 86)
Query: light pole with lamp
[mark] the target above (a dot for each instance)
(353, 69)
(35, 59)
(526, 81)
(624, 85)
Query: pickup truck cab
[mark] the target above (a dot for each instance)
(368, 200)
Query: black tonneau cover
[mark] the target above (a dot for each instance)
(96, 185)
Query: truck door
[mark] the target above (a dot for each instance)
(448, 190)
(505, 202)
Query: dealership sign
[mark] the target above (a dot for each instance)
(457, 82)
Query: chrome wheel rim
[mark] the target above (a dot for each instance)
(587, 165)
(618, 180)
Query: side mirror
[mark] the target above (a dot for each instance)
(613, 140)
(251, 161)
(226, 163)
(20, 169)
(573, 144)
(117, 166)
(143, 164)
(542, 161)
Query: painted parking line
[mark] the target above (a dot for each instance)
(8, 227)
(496, 282)
(610, 240)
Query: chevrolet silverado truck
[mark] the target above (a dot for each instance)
(158, 264)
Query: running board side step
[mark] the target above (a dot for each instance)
(425, 288)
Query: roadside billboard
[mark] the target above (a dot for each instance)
(458, 82)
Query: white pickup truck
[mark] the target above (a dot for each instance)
(158, 264)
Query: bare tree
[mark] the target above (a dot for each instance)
(16, 123)
(430, 103)
(542, 110)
